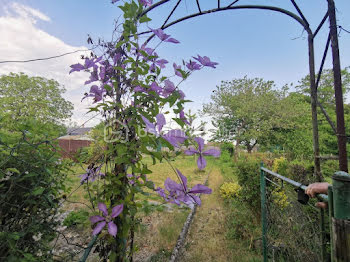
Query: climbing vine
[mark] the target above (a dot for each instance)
(128, 88)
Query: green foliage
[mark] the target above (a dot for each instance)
(246, 110)
(31, 182)
(280, 166)
(76, 218)
(242, 224)
(301, 171)
(280, 198)
(225, 157)
(33, 97)
(230, 190)
(329, 167)
(227, 147)
(249, 179)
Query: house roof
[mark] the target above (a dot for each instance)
(75, 137)
(78, 131)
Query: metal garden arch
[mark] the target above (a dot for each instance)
(339, 128)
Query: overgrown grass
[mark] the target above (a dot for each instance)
(161, 223)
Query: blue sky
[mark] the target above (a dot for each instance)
(244, 42)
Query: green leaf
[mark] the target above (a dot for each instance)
(144, 19)
(38, 191)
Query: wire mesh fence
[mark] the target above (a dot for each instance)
(295, 230)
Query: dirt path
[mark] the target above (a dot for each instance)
(206, 239)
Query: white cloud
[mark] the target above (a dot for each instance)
(28, 12)
(23, 40)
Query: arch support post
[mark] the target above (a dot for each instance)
(313, 95)
(338, 91)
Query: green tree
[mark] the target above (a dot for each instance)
(298, 139)
(247, 111)
(325, 90)
(33, 97)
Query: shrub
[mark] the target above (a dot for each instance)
(230, 190)
(280, 198)
(329, 168)
(227, 147)
(249, 180)
(301, 171)
(225, 157)
(76, 218)
(280, 166)
(31, 181)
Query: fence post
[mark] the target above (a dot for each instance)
(263, 210)
(341, 218)
(330, 214)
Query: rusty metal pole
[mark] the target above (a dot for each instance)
(313, 94)
(338, 91)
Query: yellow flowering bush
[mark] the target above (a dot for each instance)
(230, 190)
(280, 166)
(280, 198)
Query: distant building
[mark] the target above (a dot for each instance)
(75, 139)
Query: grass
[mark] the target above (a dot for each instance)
(161, 228)
(211, 236)
(160, 224)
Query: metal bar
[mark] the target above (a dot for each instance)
(321, 197)
(323, 236)
(329, 120)
(218, 3)
(331, 214)
(343, 163)
(258, 7)
(313, 95)
(171, 13)
(321, 24)
(272, 182)
(263, 211)
(88, 249)
(152, 7)
(299, 11)
(199, 7)
(323, 61)
(233, 3)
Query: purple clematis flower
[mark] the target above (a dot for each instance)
(146, 2)
(169, 88)
(183, 117)
(177, 68)
(201, 162)
(133, 178)
(177, 193)
(161, 63)
(155, 129)
(193, 66)
(174, 137)
(106, 218)
(205, 61)
(153, 87)
(91, 174)
(88, 64)
(96, 92)
(93, 77)
(190, 194)
(163, 36)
